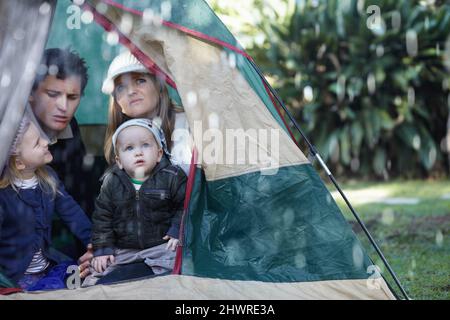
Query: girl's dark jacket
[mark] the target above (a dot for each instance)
(26, 225)
(126, 218)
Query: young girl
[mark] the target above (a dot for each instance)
(30, 193)
(135, 93)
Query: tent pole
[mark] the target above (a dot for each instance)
(315, 153)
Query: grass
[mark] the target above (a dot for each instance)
(413, 237)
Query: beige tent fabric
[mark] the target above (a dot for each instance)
(217, 99)
(178, 287)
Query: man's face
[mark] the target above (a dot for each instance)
(138, 152)
(55, 101)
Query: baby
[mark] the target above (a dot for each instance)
(140, 204)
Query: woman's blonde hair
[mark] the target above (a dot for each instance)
(11, 173)
(165, 112)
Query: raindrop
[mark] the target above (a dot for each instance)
(112, 38)
(45, 8)
(317, 29)
(147, 16)
(88, 161)
(101, 8)
(297, 80)
(361, 6)
(166, 10)
(438, 49)
(232, 61)
(106, 54)
(191, 99)
(87, 17)
(447, 54)
(6, 79)
(432, 156)
(314, 3)
(439, 238)
(427, 23)
(358, 256)
(321, 51)
(139, 173)
(354, 164)
(379, 50)
(379, 27)
(411, 96)
(53, 70)
(126, 24)
(308, 93)
(29, 70)
(340, 89)
(157, 121)
(300, 261)
(288, 218)
(445, 84)
(411, 42)
(416, 142)
(396, 20)
(413, 263)
(371, 83)
(213, 121)
(204, 94)
(19, 34)
(387, 217)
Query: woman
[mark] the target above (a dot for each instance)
(136, 93)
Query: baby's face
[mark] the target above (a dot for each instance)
(138, 153)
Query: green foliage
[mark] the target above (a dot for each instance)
(379, 86)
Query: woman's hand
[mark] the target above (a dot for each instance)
(100, 263)
(85, 261)
(172, 244)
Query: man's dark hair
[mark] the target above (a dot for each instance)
(61, 63)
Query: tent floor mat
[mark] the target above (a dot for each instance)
(181, 287)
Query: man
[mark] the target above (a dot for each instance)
(55, 97)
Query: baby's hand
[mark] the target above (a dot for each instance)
(172, 244)
(100, 263)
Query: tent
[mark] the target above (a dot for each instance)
(253, 228)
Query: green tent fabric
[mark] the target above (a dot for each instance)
(246, 224)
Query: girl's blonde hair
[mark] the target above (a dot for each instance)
(166, 112)
(10, 173)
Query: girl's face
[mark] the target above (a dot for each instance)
(137, 95)
(32, 151)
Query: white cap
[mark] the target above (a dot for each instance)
(123, 63)
(147, 124)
